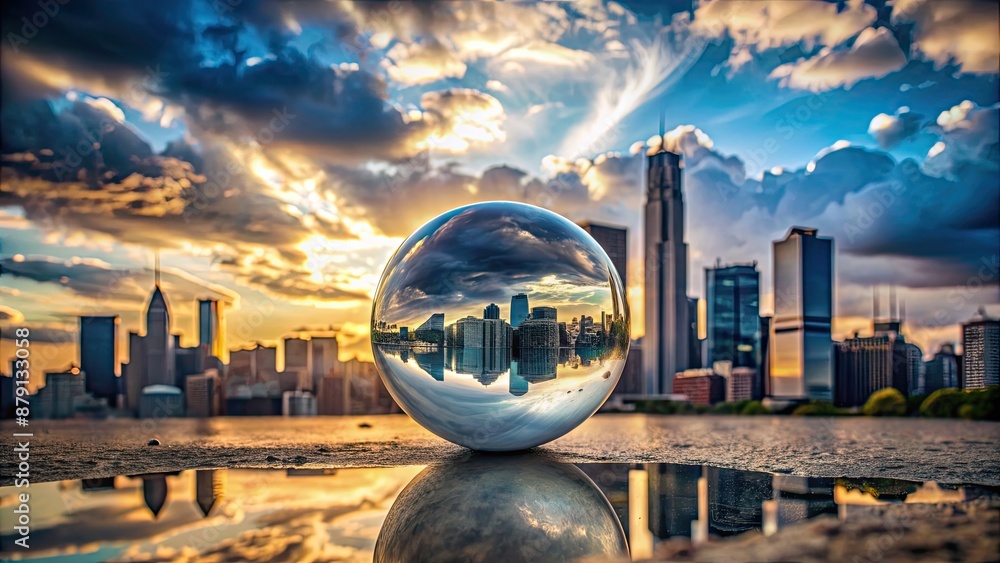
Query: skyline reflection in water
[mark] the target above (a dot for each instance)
(463, 510)
(500, 326)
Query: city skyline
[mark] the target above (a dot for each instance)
(280, 218)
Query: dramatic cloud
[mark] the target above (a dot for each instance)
(874, 54)
(969, 134)
(421, 63)
(96, 279)
(461, 118)
(758, 26)
(483, 255)
(890, 130)
(960, 32)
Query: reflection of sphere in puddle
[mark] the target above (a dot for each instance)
(501, 509)
(501, 326)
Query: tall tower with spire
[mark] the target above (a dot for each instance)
(665, 348)
(158, 343)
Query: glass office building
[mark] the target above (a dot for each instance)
(801, 344)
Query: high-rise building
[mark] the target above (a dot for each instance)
(614, 241)
(732, 304)
(518, 309)
(203, 394)
(59, 397)
(981, 351)
(862, 365)
(800, 343)
(99, 356)
(325, 358)
(665, 344)
(550, 313)
(695, 345)
(334, 396)
(763, 388)
(158, 342)
(431, 330)
(188, 361)
(135, 371)
(210, 486)
(942, 371)
(916, 373)
(492, 311)
(298, 354)
(212, 328)
(538, 333)
(469, 332)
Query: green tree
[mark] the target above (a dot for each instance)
(885, 402)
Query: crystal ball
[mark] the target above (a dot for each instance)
(505, 508)
(500, 326)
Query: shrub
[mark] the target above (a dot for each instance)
(754, 407)
(943, 403)
(885, 402)
(818, 408)
(977, 404)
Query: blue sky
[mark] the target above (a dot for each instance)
(277, 153)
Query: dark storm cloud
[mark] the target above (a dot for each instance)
(290, 98)
(486, 254)
(296, 101)
(85, 169)
(96, 279)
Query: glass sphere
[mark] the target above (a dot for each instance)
(501, 509)
(500, 326)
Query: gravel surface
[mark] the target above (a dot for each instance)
(947, 451)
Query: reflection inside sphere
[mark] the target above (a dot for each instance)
(501, 509)
(500, 326)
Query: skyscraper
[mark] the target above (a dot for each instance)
(209, 488)
(212, 328)
(981, 348)
(325, 356)
(492, 311)
(732, 299)
(99, 356)
(695, 345)
(665, 345)
(800, 343)
(614, 241)
(863, 365)
(298, 355)
(518, 309)
(431, 330)
(158, 342)
(942, 371)
(548, 313)
(203, 394)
